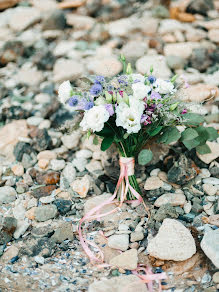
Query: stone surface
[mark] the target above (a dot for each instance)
(29, 76)
(46, 212)
(183, 50)
(173, 199)
(158, 62)
(9, 135)
(209, 245)
(199, 93)
(67, 70)
(108, 66)
(127, 260)
(131, 283)
(9, 254)
(23, 17)
(63, 232)
(81, 186)
(7, 195)
(208, 158)
(153, 183)
(119, 241)
(179, 245)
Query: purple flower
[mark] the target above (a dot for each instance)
(99, 79)
(151, 79)
(88, 105)
(123, 79)
(145, 119)
(73, 101)
(109, 108)
(96, 89)
(155, 95)
(184, 111)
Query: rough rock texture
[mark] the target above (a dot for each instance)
(126, 260)
(129, 283)
(173, 242)
(210, 246)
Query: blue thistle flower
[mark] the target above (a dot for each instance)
(151, 79)
(96, 89)
(99, 79)
(73, 101)
(88, 105)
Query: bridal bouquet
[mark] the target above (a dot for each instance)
(131, 109)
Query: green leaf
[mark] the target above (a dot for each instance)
(95, 140)
(129, 69)
(212, 133)
(174, 106)
(145, 156)
(106, 132)
(189, 134)
(202, 135)
(126, 136)
(155, 131)
(173, 79)
(192, 119)
(170, 135)
(88, 134)
(106, 143)
(203, 149)
(190, 144)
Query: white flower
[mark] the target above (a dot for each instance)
(64, 91)
(129, 117)
(100, 100)
(163, 86)
(138, 77)
(95, 118)
(140, 90)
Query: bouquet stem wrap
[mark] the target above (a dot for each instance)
(126, 171)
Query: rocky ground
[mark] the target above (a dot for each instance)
(49, 177)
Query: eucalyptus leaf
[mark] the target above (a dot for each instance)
(106, 132)
(203, 149)
(171, 134)
(212, 133)
(192, 119)
(106, 143)
(155, 131)
(145, 156)
(189, 134)
(190, 144)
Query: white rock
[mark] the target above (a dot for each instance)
(71, 141)
(67, 70)
(155, 172)
(68, 175)
(131, 283)
(209, 189)
(7, 195)
(137, 236)
(29, 76)
(84, 153)
(47, 200)
(211, 180)
(42, 98)
(120, 27)
(170, 198)
(34, 121)
(39, 260)
(173, 242)
(80, 21)
(153, 183)
(63, 47)
(23, 17)
(170, 25)
(158, 62)
(94, 166)
(210, 246)
(80, 163)
(208, 158)
(119, 241)
(133, 50)
(22, 226)
(126, 260)
(187, 207)
(213, 35)
(183, 50)
(107, 66)
(57, 164)
(19, 212)
(204, 173)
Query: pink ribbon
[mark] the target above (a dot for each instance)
(126, 169)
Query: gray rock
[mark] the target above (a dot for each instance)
(210, 246)
(68, 175)
(46, 212)
(119, 241)
(137, 236)
(175, 62)
(63, 232)
(21, 228)
(7, 228)
(134, 50)
(7, 195)
(200, 6)
(200, 59)
(165, 211)
(54, 20)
